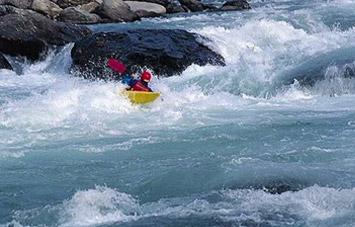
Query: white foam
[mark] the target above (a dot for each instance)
(48, 105)
(102, 205)
(98, 206)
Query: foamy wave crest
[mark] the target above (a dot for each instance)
(102, 205)
(255, 59)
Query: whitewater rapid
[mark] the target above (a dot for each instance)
(75, 153)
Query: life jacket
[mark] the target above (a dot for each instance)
(140, 86)
(128, 80)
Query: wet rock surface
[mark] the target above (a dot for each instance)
(30, 34)
(4, 64)
(166, 52)
(235, 5)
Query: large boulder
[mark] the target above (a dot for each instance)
(146, 7)
(22, 4)
(4, 64)
(78, 16)
(235, 5)
(29, 34)
(117, 11)
(68, 3)
(166, 52)
(46, 7)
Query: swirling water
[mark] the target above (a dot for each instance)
(220, 147)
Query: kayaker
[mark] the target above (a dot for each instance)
(128, 76)
(142, 83)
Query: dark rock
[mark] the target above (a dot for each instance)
(144, 13)
(349, 70)
(22, 4)
(281, 187)
(166, 52)
(68, 3)
(174, 8)
(196, 6)
(78, 16)
(4, 64)
(185, 9)
(6, 9)
(29, 34)
(193, 5)
(235, 5)
(274, 186)
(210, 7)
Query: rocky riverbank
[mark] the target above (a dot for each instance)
(30, 28)
(105, 11)
(28, 34)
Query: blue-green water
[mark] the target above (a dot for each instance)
(75, 153)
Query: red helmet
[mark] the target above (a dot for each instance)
(146, 76)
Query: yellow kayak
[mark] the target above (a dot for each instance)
(141, 97)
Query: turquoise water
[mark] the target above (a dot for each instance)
(213, 152)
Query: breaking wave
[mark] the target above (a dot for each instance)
(106, 206)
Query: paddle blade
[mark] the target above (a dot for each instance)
(116, 65)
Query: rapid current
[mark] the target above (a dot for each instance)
(248, 144)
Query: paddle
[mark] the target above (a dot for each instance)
(116, 65)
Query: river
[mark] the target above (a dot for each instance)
(225, 146)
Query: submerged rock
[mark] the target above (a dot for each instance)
(29, 34)
(4, 64)
(274, 186)
(197, 5)
(281, 187)
(193, 5)
(235, 5)
(166, 52)
(174, 8)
